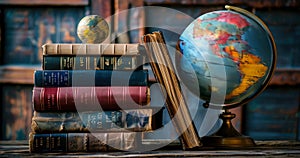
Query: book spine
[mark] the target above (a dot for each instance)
(91, 49)
(96, 121)
(89, 98)
(92, 62)
(68, 78)
(82, 142)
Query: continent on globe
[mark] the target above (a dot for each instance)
(221, 29)
(251, 70)
(92, 29)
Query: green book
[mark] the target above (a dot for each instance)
(92, 62)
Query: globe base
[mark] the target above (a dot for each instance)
(227, 136)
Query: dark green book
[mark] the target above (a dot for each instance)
(68, 78)
(92, 62)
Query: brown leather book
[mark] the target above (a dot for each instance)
(164, 73)
(90, 49)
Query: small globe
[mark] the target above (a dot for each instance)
(92, 29)
(226, 57)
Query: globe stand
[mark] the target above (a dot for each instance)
(227, 135)
(253, 67)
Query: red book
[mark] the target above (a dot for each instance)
(89, 98)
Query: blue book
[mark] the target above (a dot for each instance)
(68, 78)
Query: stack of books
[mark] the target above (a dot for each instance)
(91, 97)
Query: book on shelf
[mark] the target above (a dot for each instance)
(80, 78)
(136, 120)
(164, 72)
(83, 142)
(90, 49)
(90, 98)
(92, 62)
(92, 57)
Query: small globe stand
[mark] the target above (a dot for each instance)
(227, 136)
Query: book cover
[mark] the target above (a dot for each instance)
(83, 142)
(90, 49)
(78, 78)
(136, 120)
(89, 98)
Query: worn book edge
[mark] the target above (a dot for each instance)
(163, 70)
(90, 49)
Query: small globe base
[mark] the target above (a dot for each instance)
(227, 142)
(227, 136)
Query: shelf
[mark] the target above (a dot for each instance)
(17, 74)
(286, 76)
(45, 2)
(263, 149)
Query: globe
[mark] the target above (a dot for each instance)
(226, 57)
(92, 29)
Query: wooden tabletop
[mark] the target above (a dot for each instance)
(263, 149)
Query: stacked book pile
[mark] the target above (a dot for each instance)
(91, 97)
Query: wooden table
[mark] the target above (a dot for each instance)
(263, 149)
